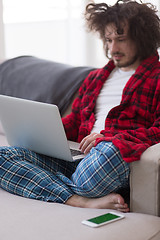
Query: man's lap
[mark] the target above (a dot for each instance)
(102, 171)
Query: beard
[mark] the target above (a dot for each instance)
(123, 64)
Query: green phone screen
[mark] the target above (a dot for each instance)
(103, 218)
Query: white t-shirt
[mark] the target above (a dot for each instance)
(110, 96)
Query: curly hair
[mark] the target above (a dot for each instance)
(142, 19)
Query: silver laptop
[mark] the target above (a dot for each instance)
(36, 126)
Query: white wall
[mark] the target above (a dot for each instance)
(56, 41)
(2, 46)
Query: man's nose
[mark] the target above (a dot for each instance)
(114, 47)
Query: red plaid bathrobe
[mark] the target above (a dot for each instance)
(132, 126)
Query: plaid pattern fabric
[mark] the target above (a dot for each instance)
(132, 126)
(28, 174)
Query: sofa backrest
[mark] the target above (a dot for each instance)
(41, 80)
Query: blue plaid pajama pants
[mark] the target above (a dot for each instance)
(28, 174)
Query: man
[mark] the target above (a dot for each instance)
(112, 131)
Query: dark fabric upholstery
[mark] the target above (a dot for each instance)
(41, 80)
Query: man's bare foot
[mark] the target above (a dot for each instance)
(110, 201)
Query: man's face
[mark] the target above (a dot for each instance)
(121, 48)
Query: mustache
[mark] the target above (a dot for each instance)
(117, 54)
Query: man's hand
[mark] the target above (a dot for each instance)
(88, 142)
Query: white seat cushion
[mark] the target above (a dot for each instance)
(25, 219)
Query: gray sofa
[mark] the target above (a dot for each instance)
(46, 81)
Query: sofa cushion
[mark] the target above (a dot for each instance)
(41, 80)
(25, 219)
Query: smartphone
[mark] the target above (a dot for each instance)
(103, 219)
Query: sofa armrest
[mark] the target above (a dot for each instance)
(145, 182)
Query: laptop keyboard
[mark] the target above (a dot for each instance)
(75, 152)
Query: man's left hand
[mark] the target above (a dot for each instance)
(88, 142)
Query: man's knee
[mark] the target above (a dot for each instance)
(99, 171)
(89, 171)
